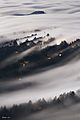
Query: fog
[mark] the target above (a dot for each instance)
(46, 84)
(14, 58)
(61, 18)
(62, 21)
(69, 113)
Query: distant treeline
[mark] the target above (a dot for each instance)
(17, 111)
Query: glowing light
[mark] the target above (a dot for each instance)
(49, 58)
(60, 55)
(17, 52)
(20, 79)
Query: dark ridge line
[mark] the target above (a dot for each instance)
(55, 56)
(33, 13)
(37, 12)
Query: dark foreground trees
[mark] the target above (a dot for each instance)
(17, 111)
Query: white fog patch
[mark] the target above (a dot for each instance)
(62, 17)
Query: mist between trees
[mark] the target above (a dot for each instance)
(63, 101)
